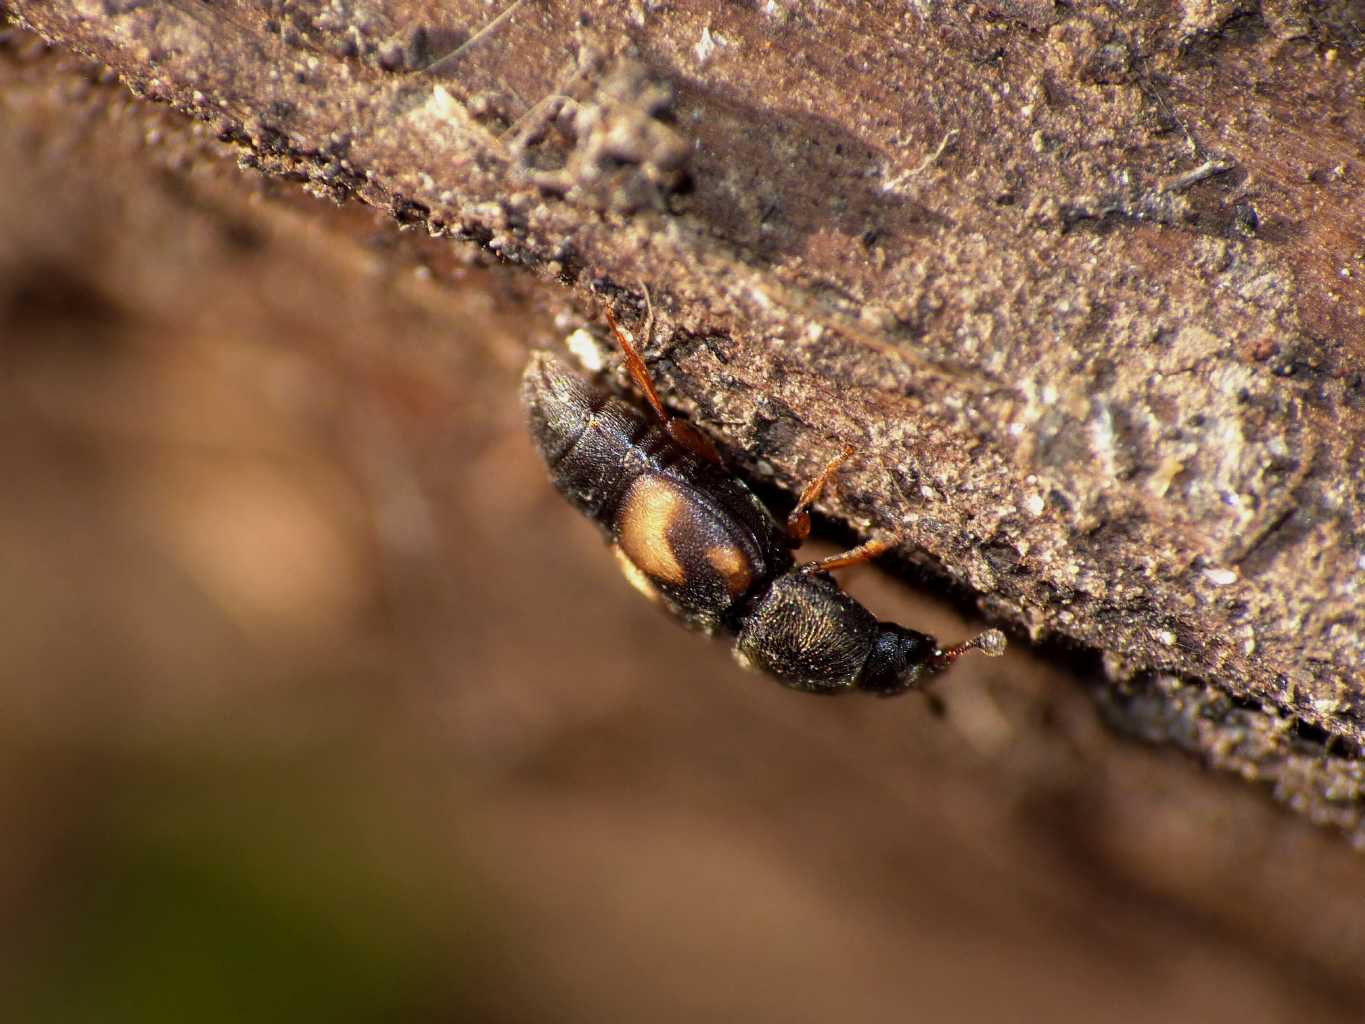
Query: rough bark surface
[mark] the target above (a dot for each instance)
(1084, 285)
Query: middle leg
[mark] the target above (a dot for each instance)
(798, 523)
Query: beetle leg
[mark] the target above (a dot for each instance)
(680, 430)
(798, 523)
(636, 364)
(864, 552)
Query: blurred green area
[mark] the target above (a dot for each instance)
(268, 891)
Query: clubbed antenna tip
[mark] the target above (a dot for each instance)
(990, 643)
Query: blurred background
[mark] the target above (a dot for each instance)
(317, 702)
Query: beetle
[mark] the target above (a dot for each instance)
(695, 539)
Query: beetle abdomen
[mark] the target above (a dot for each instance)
(586, 436)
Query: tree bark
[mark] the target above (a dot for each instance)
(1084, 287)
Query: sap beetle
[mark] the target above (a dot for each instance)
(692, 537)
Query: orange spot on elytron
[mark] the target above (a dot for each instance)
(651, 507)
(733, 567)
(635, 575)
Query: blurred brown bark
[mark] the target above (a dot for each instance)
(1083, 285)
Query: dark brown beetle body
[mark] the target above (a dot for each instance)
(696, 534)
(694, 538)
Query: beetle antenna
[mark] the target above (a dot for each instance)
(990, 643)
